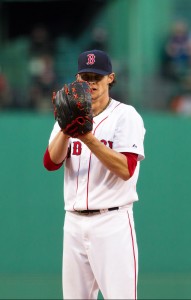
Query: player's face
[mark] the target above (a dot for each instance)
(99, 84)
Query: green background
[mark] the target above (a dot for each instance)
(136, 32)
(32, 210)
(31, 199)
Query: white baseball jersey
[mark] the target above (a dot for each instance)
(88, 184)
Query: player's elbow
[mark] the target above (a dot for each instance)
(123, 173)
(125, 177)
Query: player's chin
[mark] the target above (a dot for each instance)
(93, 96)
(94, 92)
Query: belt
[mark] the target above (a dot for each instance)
(93, 211)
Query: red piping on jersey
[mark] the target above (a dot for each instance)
(90, 163)
(87, 190)
(135, 268)
(78, 173)
(77, 179)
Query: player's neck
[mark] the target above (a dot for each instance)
(98, 110)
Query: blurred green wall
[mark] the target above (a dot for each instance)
(135, 33)
(31, 198)
(31, 206)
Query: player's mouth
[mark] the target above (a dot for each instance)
(93, 89)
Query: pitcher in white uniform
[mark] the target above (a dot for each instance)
(101, 170)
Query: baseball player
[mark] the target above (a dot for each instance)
(101, 170)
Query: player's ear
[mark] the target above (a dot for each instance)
(111, 77)
(78, 77)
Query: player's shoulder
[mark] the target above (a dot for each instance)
(124, 109)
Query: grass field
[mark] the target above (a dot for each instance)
(151, 286)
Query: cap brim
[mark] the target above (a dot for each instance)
(96, 71)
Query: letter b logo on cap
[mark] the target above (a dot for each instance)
(91, 59)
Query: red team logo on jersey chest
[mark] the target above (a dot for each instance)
(91, 59)
(77, 146)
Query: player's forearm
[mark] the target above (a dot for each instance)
(58, 148)
(112, 160)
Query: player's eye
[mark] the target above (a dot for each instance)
(84, 77)
(90, 78)
(98, 77)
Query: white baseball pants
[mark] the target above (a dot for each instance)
(100, 253)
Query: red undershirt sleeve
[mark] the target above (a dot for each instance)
(49, 164)
(132, 161)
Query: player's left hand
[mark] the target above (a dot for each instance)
(73, 108)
